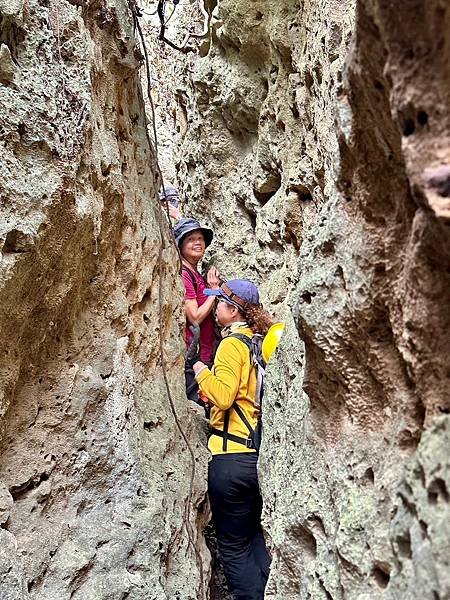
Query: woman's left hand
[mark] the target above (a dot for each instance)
(213, 278)
(198, 366)
(174, 212)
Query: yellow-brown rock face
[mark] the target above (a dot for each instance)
(99, 469)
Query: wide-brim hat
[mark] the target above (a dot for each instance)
(187, 225)
(237, 292)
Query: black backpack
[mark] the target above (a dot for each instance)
(254, 439)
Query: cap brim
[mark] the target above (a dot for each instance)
(221, 293)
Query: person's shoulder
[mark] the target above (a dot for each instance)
(246, 331)
(199, 276)
(242, 331)
(233, 344)
(192, 275)
(190, 284)
(187, 272)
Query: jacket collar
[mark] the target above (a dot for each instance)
(229, 329)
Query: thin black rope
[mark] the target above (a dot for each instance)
(189, 503)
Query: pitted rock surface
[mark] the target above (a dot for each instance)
(314, 139)
(102, 474)
(318, 149)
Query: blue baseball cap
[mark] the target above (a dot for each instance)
(237, 292)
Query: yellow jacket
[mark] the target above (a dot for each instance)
(231, 379)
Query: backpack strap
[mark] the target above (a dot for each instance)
(244, 338)
(243, 418)
(225, 434)
(191, 276)
(247, 442)
(260, 369)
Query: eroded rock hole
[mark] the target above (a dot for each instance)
(422, 117)
(328, 248)
(307, 296)
(318, 73)
(309, 80)
(303, 193)
(252, 219)
(369, 476)
(408, 127)
(404, 545)
(11, 34)
(438, 491)
(17, 242)
(306, 540)
(272, 183)
(294, 111)
(423, 528)
(382, 574)
(18, 491)
(378, 85)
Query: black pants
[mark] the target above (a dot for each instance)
(236, 507)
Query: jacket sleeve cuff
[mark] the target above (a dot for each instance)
(200, 375)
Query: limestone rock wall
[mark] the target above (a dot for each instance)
(101, 472)
(318, 148)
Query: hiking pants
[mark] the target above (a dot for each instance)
(236, 508)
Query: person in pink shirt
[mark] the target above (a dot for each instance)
(192, 240)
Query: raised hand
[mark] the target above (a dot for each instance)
(213, 278)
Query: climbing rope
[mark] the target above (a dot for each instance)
(183, 47)
(153, 143)
(189, 530)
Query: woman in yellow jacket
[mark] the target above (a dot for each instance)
(230, 387)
